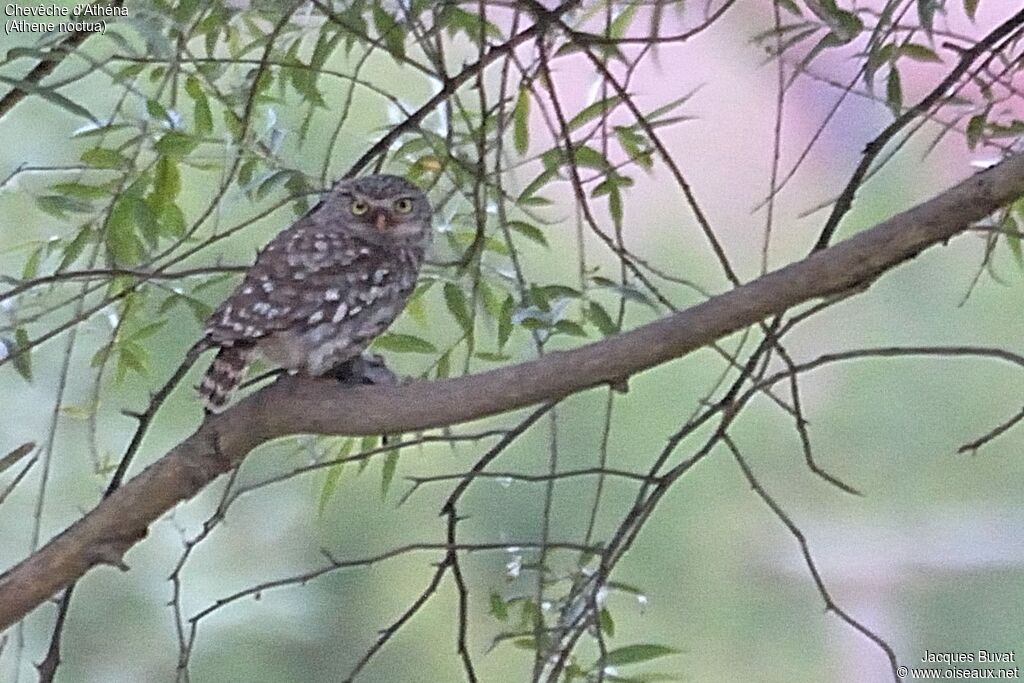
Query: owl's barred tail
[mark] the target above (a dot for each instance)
(223, 376)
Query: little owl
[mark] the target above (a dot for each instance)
(324, 288)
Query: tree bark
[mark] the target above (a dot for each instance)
(302, 405)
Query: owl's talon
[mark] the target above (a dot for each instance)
(368, 368)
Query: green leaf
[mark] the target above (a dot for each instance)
(570, 328)
(627, 291)
(631, 654)
(31, 268)
(443, 365)
(1012, 229)
(201, 311)
(894, 91)
(325, 45)
(333, 476)
(505, 321)
(619, 25)
(544, 294)
(926, 13)
(602, 321)
(635, 145)
(175, 144)
(790, 6)
(388, 472)
(122, 241)
(131, 357)
(202, 117)
(521, 120)
(975, 129)
(98, 157)
(403, 343)
(147, 331)
(615, 205)
(245, 172)
(270, 182)
(920, 53)
(536, 184)
(457, 305)
(593, 111)
(878, 57)
(172, 221)
(23, 359)
(492, 357)
(304, 81)
(469, 23)
(588, 156)
(100, 357)
(56, 205)
(498, 608)
(606, 623)
(844, 25)
(74, 248)
(530, 231)
(232, 123)
(81, 190)
(157, 111)
(366, 444)
(166, 183)
(390, 32)
(971, 8)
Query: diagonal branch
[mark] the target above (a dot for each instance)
(301, 405)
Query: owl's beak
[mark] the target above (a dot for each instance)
(382, 221)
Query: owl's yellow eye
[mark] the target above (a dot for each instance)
(403, 205)
(359, 207)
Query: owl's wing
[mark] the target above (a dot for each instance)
(299, 279)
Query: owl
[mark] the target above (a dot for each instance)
(324, 288)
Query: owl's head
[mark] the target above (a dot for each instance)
(383, 209)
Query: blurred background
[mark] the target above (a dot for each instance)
(931, 557)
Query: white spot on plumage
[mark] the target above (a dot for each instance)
(320, 245)
(267, 285)
(316, 317)
(332, 295)
(261, 308)
(340, 313)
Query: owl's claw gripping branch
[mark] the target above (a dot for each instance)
(366, 368)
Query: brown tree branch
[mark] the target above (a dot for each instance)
(300, 405)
